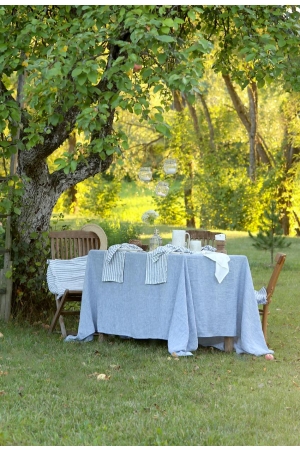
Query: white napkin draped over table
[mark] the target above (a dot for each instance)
(221, 260)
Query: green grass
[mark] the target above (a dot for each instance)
(50, 395)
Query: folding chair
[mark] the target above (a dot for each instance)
(264, 308)
(68, 245)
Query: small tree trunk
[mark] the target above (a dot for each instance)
(252, 95)
(73, 189)
(188, 199)
(209, 123)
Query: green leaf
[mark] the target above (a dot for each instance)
(163, 129)
(261, 83)
(93, 76)
(54, 119)
(137, 108)
(8, 274)
(82, 79)
(73, 165)
(157, 88)
(76, 72)
(17, 210)
(168, 22)
(165, 38)
(250, 57)
(162, 58)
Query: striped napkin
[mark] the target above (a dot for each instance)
(157, 264)
(113, 268)
(261, 296)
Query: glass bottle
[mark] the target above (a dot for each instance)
(155, 240)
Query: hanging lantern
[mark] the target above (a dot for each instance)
(170, 166)
(162, 189)
(145, 174)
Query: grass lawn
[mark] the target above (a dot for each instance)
(50, 395)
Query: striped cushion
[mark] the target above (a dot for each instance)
(65, 274)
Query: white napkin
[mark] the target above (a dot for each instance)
(221, 260)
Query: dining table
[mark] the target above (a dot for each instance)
(191, 308)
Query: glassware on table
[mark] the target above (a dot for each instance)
(220, 240)
(195, 245)
(155, 240)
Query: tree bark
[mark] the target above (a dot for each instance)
(243, 114)
(73, 189)
(209, 123)
(252, 95)
(188, 185)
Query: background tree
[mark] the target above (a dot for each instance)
(270, 234)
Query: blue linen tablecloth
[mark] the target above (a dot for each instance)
(191, 308)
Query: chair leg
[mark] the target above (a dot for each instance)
(58, 316)
(265, 320)
(62, 326)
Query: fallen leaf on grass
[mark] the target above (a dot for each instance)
(1, 335)
(175, 356)
(2, 392)
(3, 373)
(99, 376)
(91, 375)
(103, 376)
(115, 366)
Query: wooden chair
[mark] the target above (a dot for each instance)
(264, 309)
(207, 237)
(67, 245)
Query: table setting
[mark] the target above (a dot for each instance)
(187, 298)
